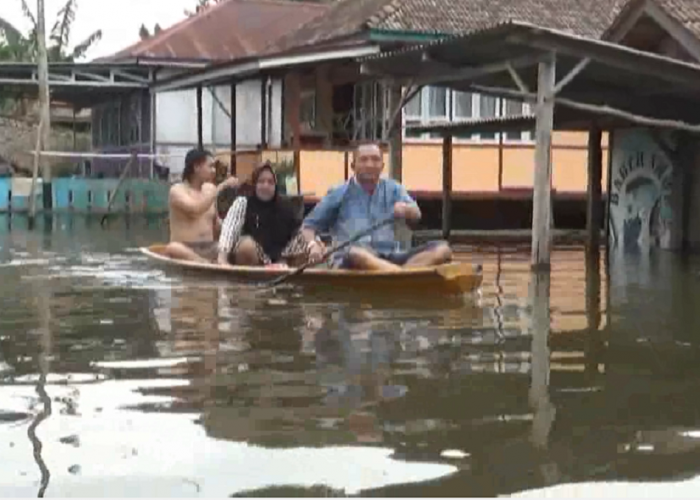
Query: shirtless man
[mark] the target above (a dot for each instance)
(192, 204)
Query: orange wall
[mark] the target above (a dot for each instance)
(475, 166)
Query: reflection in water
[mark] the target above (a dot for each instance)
(167, 384)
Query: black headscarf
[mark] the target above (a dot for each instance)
(271, 223)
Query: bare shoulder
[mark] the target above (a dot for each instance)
(208, 187)
(177, 190)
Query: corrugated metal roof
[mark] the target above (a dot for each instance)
(228, 30)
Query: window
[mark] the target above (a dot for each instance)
(488, 108)
(307, 113)
(434, 104)
(463, 104)
(413, 113)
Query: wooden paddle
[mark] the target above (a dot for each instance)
(330, 252)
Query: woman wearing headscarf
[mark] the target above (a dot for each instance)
(262, 228)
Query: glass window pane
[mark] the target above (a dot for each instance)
(463, 105)
(437, 103)
(413, 107)
(487, 109)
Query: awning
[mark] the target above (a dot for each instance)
(503, 61)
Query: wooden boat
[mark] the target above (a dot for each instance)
(451, 278)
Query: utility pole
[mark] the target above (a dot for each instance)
(44, 101)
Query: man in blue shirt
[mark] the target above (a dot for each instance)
(361, 202)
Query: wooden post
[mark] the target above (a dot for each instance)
(501, 108)
(541, 209)
(263, 112)
(595, 195)
(44, 102)
(200, 119)
(395, 136)
(540, 363)
(346, 166)
(294, 96)
(153, 130)
(446, 186)
(594, 346)
(234, 138)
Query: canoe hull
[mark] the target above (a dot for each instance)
(452, 278)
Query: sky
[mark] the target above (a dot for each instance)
(119, 20)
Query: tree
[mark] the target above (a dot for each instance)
(16, 46)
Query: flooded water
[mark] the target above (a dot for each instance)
(121, 378)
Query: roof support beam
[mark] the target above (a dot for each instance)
(437, 73)
(604, 110)
(516, 78)
(571, 75)
(628, 59)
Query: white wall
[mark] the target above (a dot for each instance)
(176, 116)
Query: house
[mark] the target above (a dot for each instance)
(329, 103)
(230, 30)
(302, 98)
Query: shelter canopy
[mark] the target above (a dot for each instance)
(589, 71)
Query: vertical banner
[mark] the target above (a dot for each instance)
(640, 196)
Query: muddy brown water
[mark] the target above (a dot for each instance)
(119, 377)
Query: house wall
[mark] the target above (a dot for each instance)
(475, 167)
(176, 125)
(476, 159)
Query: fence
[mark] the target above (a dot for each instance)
(81, 195)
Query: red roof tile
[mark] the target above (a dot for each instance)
(228, 30)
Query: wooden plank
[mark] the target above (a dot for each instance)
(595, 195)
(446, 186)
(541, 212)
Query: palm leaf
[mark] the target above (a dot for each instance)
(80, 49)
(60, 33)
(28, 13)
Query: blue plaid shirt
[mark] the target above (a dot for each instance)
(348, 209)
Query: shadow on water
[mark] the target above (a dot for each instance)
(156, 383)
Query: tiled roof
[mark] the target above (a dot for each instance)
(227, 30)
(686, 12)
(344, 17)
(348, 17)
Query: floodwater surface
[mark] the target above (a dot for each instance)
(122, 378)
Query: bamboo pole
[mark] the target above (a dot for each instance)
(128, 166)
(35, 174)
(44, 98)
